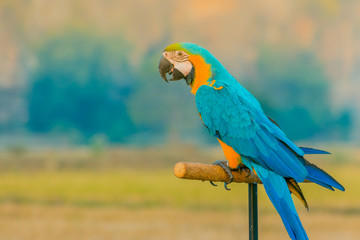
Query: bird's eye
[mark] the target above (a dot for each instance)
(180, 54)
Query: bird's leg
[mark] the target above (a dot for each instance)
(223, 164)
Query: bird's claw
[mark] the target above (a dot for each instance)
(242, 168)
(225, 186)
(227, 169)
(212, 183)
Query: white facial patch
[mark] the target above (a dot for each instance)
(183, 67)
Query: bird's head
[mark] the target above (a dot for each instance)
(190, 62)
(181, 60)
(175, 62)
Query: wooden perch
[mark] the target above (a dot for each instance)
(208, 172)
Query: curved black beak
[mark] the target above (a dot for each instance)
(167, 68)
(164, 67)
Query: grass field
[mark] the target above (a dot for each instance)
(132, 194)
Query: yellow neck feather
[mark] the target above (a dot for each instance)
(202, 72)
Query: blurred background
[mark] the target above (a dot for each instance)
(89, 132)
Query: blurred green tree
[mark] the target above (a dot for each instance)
(82, 82)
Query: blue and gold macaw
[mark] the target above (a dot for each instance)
(247, 136)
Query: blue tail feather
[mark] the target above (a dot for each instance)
(279, 194)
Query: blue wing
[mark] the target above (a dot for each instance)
(235, 117)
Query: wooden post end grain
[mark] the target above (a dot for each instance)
(208, 172)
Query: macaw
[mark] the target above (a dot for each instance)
(247, 136)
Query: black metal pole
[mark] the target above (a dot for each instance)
(253, 212)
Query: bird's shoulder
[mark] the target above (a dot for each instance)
(227, 97)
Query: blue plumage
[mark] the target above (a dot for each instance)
(313, 151)
(320, 177)
(247, 130)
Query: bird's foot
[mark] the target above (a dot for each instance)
(242, 168)
(223, 164)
